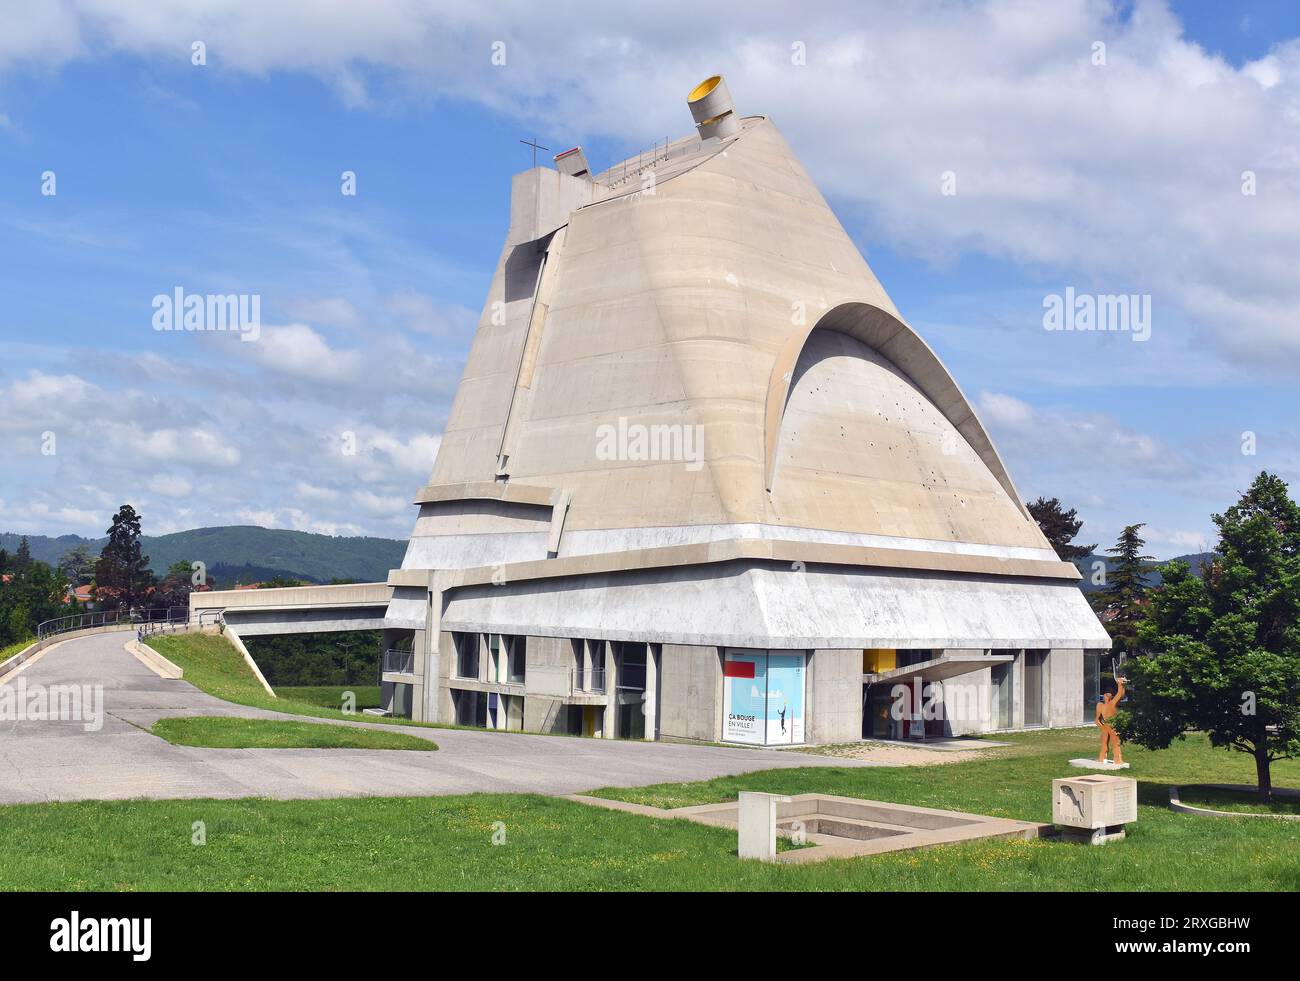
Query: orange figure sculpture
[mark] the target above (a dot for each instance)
(1106, 710)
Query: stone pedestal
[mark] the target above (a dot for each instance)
(757, 826)
(1088, 764)
(1094, 808)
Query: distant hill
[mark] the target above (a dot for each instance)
(1196, 560)
(246, 553)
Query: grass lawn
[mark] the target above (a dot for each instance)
(12, 649)
(219, 732)
(553, 844)
(212, 664)
(1227, 800)
(331, 696)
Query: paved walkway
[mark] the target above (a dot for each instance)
(61, 761)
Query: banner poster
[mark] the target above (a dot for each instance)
(763, 697)
(785, 693)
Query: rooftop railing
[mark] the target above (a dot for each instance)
(649, 157)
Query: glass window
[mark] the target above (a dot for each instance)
(1000, 692)
(466, 655)
(1091, 686)
(631, 669)
(579, 650)
(596, 665)
(516, 648)
(1035, 687)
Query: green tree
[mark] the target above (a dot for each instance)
(175, 586)
(1121, 602)
(24, 554)
(1226, 644)
(34, 593)
(280, 582)
(1059, 527)
(78, 565)
(122, 576)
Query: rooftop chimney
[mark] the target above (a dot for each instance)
(712, 109)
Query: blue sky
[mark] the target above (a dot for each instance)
(1123, 177)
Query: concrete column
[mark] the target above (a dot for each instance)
(426, 704)
(651, 706)
(611, 691)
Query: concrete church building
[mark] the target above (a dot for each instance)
(701, 481)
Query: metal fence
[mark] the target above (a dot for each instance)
(178, 619)
(109, 618)
(589, 681)
(399, 662)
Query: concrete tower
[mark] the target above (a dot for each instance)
(696, 442)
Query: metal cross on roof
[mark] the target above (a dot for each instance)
(536, 146)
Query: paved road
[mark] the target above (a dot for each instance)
(61, 761)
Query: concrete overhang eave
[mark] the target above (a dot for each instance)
(942, 668)
(485, 490)
(317, 607)
(709, 553)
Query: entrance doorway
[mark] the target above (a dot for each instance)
(1035, 686)
(1000, 691)
(630, 694)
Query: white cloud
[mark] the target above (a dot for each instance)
(1084, 440)
(170, 485)
(381, 505)
(41, 517)
(334, 311)
(38, 394)
(1128, 173)
(423, 314)
(1005, 411)
(1179, 538)
(312, 492)
(298, 350)
(1123, 178)
(192, 445)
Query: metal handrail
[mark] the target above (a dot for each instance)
(648, 157)
(178, 618)
(218, 616)
(399, 662)
(587, 682)
(105, 618)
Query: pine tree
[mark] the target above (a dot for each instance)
(1121, 601)
(1059, 527)
(24, 554)
(122, 576)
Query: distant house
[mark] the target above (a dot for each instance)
(84, 595)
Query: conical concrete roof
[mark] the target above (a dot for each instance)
(713, 291)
